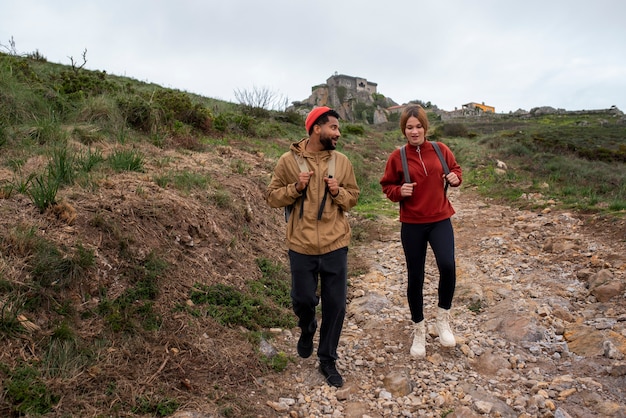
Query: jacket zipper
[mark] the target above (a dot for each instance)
(419, 152)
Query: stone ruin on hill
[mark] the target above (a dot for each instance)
(354, 98)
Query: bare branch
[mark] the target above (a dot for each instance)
(11, 49)
(261, 98)
(74, 67)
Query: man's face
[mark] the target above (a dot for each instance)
(330, 134)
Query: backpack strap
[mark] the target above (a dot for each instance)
(446, 170)
(331, 174)
(405, 164)
(304, 168)
(331, 165)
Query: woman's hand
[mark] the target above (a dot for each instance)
(406, 189)
(452, 179)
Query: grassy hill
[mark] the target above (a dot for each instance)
(140, 268)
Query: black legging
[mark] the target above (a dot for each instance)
(415, 240)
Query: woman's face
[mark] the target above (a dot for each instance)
(414, 131)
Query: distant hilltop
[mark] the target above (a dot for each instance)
(357, 99)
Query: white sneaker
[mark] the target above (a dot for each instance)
(418, 349)
(446, 338)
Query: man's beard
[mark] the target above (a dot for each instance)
(327, 143)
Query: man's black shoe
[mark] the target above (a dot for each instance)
(305, 343)
(332, 376)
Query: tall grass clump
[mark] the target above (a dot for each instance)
(87, 160)
(62, 165)
(47, 130)
(126, 160)
(64, 357)
(43, 190)
(102, 111)
(21, 100)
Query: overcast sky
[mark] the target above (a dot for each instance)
(568, 54)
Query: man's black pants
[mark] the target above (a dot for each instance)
(331, 272)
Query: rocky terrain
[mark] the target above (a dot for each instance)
(539, 317)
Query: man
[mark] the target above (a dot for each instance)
(318, 232)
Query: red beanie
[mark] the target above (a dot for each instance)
(314, 115)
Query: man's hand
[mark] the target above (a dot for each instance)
(303, 180)
(333, 185)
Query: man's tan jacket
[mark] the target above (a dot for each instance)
(306, 234)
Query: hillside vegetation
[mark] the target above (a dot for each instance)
(141, 271)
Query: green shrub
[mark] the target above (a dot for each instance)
(352, 129)
(454, 129)
(137, 112)
(19, 68)
(278, 363)
(275, 282)
(177, 106)
(364, 112)
(235, 123)
(342, 92)
(291, 117)
(232, 307)
(254, 111)
(83, 83)
(269, 129)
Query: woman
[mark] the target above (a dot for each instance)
(425, 213)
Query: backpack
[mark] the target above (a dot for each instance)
(303, 169)
(405, 164)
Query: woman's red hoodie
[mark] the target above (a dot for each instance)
(428, 202)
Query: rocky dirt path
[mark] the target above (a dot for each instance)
(539, 317)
